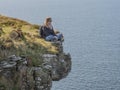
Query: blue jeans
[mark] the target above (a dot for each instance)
(58, 36)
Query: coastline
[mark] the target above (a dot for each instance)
(35, 69)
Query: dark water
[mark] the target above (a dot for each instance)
(92, 36)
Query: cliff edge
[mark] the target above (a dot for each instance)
(28, 62)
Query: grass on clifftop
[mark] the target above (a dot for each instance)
(29, 44)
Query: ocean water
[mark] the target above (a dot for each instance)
(92, 37)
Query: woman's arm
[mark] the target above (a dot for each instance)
(41, 31)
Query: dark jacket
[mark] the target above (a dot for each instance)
(45, 31)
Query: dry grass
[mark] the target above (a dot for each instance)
(31, 45)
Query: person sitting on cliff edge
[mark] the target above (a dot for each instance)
(47, 32)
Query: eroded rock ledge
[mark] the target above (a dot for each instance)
(17, 74)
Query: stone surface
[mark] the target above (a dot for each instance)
(15, 34)
(15, 74)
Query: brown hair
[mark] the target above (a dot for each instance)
(48, 19)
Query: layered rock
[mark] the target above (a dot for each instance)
(17, 74)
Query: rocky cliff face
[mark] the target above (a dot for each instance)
(16, 73)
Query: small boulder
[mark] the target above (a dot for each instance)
(15, 34)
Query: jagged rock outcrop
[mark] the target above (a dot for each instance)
(17, 74)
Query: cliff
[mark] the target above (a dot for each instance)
(28, 62)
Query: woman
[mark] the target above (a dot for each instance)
(47, 31)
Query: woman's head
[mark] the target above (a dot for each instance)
(48, 21)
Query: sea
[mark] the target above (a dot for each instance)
(92, 36)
